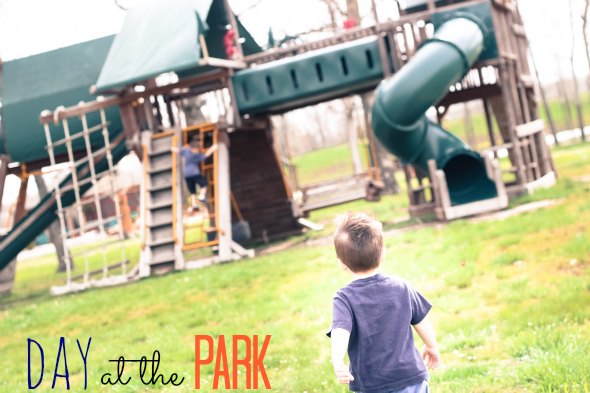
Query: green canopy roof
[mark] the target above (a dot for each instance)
(161, 36)
(45, 81)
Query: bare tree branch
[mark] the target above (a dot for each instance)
(575, 79)
(252, 6)
(119, 5)
(585, 36)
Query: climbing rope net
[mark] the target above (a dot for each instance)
(89, 157)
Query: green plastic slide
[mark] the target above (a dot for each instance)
(399, 120)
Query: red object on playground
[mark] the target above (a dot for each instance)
(229, 43)
(349, 23)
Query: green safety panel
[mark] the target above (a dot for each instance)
(44, 82)
(308, 78)
(422, 5)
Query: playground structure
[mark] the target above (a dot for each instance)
(435, 54)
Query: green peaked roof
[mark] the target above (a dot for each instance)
(161, 36)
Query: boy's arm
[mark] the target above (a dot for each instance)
(210, 150)
(430, 352)
(340, 339)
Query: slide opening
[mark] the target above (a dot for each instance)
(465, 174)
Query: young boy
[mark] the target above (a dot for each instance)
(372, 318)
(191, 160)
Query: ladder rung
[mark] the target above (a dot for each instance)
(160, 242)
(159, 205)
(152, 171)
(160, 188)
(159, 224)
(160, 152)
(163, 259)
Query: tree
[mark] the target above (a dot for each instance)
(585, 36)
(575, 79)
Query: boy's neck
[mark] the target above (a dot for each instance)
(370, 273)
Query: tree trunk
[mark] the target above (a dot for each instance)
(585, 36)
(353, 140)
(576, 92)
(544, 98)
(564, 97)
(53, 232)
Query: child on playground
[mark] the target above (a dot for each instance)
(372, 316)
(192, 156)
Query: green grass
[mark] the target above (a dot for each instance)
(327, 163)
(558, 113)
(502, 326)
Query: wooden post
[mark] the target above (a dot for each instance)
(126, 221)
(509, 108)
(129, 120)
(353, 136)
(4, 160)
(22, 195)
(223, 195)
(489, 124)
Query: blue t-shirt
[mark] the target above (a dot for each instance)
(191, 162)
(378, 311)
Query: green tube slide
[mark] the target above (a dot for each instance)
(44, 213)
(399, 120)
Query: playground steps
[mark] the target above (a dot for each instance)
(160, 254)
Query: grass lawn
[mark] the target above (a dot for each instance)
(511, 303)
(558, 113)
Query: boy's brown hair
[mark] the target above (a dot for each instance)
(359, 241)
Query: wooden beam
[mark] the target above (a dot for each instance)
(4, 160)
(128, 97)
(530, 128)
(22, 198)
(223, 198)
